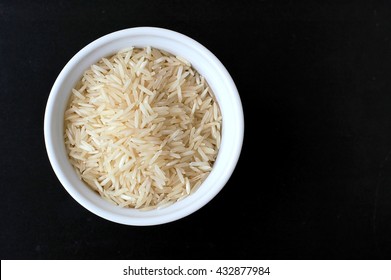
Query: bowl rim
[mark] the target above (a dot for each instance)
(50, 146)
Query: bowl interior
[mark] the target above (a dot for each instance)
(205, 63)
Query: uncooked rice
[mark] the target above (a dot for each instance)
(142, 128)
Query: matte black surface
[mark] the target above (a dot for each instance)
(314, 177)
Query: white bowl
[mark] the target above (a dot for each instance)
(205, 63)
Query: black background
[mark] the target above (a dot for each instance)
(314, 177)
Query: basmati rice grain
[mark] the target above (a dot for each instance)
(142, 128)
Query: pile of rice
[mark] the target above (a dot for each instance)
(142, 128)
